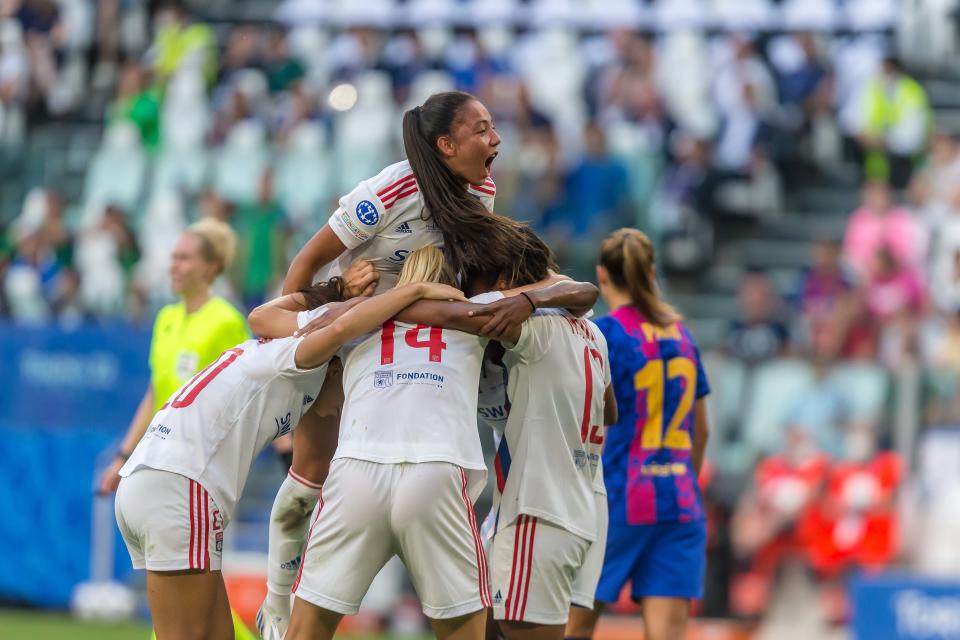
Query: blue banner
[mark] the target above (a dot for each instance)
(91, 376)
(900, 606)
(67, 396)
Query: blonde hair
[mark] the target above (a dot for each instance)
(218, 241)
(427, 265)
(628, 256)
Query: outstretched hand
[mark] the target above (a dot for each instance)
(504, 315)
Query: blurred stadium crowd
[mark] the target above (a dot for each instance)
(726, 129)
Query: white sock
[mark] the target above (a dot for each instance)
(289, 521)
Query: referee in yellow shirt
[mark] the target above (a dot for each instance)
(187, 335)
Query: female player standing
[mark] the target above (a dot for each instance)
(183, 480)
(187, 335)
(657, 534)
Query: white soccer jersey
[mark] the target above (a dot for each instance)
(558, 371)
(492, 403)
(383, 220)
(214, 426)
(410, 395)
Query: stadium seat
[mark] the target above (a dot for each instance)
(871, 15)
(118, 170)
(775, 386)
(304, 177)
(363, 135)
(101, 277)
(743, 15)
(686, 95)
(186, 114)
(864, 386)
(309, 45)
(163, 223)
(24, 293)
(240, 163)
(426, 84)
(672, 16)
(181, 170)
(728, 384)
(819, 15)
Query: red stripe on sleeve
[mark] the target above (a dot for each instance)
(398, 184)
(401, 196)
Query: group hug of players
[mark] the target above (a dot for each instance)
(434, 312)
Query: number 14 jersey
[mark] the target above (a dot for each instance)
(410, 395)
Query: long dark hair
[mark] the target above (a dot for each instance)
(321, 293)
(628, 256)
(532, 263)
(474, 239)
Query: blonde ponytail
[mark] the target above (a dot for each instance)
(218, 240)
(628, 256)
(426, 265)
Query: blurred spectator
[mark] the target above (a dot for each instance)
(181, 43)
(139, 103)
(594, 192)
(105, 257)
(42, 252)
(282, 69)
(897, 125)
(894, 290)
(261, 252)
(14, 80)
(935, 189)
(241, 53)
(825, 284)
(894, 298)
(945, 283)
(759, 334)
(799, 81)
(879, 223)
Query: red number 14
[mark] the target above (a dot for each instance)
(434, 341)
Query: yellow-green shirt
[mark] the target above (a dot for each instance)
(183, 344)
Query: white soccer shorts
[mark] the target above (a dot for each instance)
(369, 512)
(585, 584)
(169, 522)
(533, 565)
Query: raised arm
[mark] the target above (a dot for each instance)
(576, 297)
(320, 346)
(276, 318)
(322, 249)
(451, 315)
(504, 316)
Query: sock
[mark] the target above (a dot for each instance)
(289, 521)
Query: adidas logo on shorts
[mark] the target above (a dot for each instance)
(497, 599)
(403, 228)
